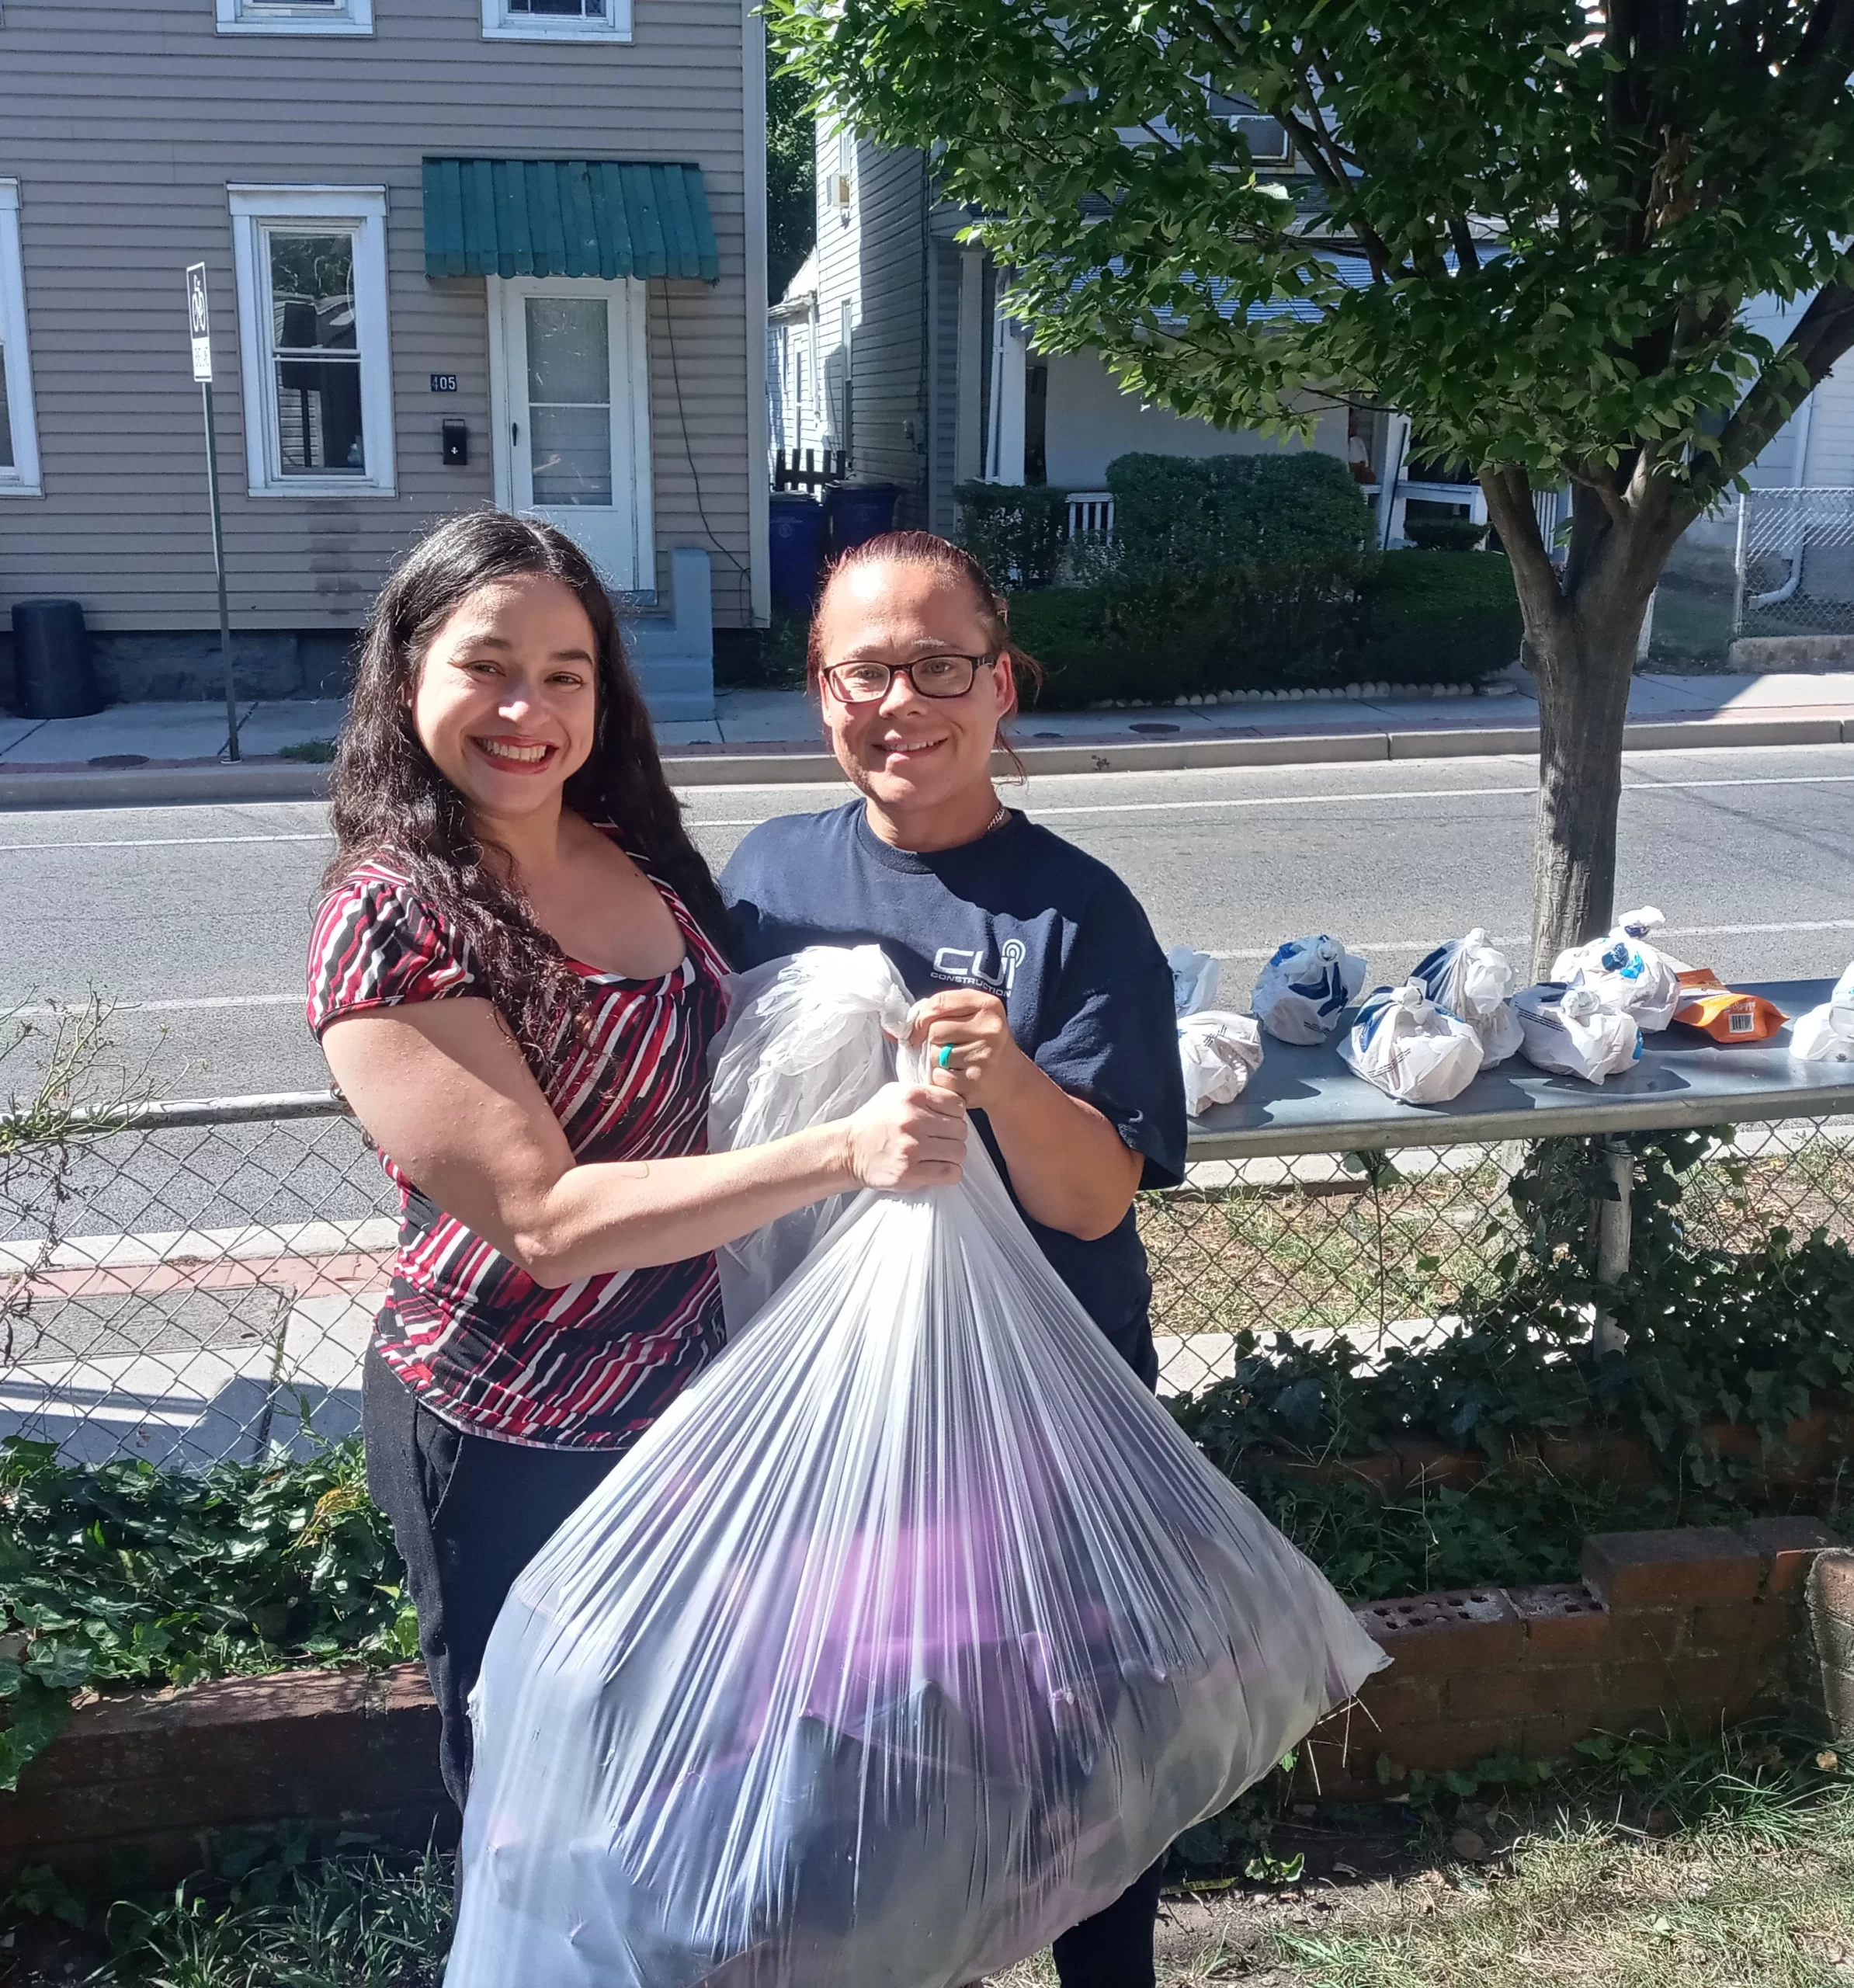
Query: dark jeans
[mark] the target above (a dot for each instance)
(1114, 1948)
(469, 1513)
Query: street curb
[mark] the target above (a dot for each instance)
(280, 780)
(155, 787)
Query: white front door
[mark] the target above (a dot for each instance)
(572, 394)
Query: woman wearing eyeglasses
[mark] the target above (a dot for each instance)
(1037, 980)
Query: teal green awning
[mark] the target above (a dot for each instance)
(566, 217)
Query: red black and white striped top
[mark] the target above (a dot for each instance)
(481, 1343)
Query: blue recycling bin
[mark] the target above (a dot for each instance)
(797, 531)
(855, 511)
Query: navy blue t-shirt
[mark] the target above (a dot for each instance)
(1022, 914)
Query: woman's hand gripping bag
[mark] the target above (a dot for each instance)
(1473, 981)
(1628, 975)
(1301, 992)
(1826, 1034)
(1218, 1052)
(1568, 1029)
(1407, 1046)
(909, 1636)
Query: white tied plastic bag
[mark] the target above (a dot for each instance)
(1629, 976)
(1300, 991)
(1826, 1034)
(1568, 1029)
(1195, 979)
(910, 1634)
(1409, 1047)
(1473, 981)
(1218, 1051)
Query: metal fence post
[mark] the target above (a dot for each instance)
(1613, 1225)
(1740, 558)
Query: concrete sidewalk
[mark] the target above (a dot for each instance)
(150, 754)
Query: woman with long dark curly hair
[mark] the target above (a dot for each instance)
(515, 975)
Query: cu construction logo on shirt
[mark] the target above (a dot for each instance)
(970, 969)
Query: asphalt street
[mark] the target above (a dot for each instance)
(191, 921)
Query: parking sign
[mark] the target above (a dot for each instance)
(198, 324)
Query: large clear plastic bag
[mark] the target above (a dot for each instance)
(910, 1635)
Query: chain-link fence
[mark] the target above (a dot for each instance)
(1794, 566)
(200, 1282)
(197, 1284)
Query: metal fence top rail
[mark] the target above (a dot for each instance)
(1307, 1101)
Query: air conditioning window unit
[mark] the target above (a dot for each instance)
(1267, 138)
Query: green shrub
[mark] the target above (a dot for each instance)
(1444, 534)
(1436, 617)
(1018, 531)
(1249, 514)
(121, 1574)
(1225, 572)
(1418, 617)
(1061, 628)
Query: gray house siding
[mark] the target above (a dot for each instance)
(124, 125)
(890, 352)
(943, 388)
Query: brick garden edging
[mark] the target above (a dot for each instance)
(1696, 1622)
(137, 1788)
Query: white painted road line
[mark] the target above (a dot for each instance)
(166, 1007)
(158, 842)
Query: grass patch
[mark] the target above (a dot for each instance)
(311, 751)
(1642, 1863)
(275, 1916)
(1692, 629)
(1757, 1890)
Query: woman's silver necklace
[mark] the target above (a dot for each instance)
(996, 822)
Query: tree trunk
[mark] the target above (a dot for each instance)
(1583, 660)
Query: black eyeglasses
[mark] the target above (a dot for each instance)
(932, 676)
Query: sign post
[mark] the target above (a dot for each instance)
(199, 328)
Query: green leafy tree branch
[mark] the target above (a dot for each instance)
(1536, 227)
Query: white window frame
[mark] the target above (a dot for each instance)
(293, 17)
(362, 210)
(20, 478)
(500, 23)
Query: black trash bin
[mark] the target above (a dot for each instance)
(53, 673)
